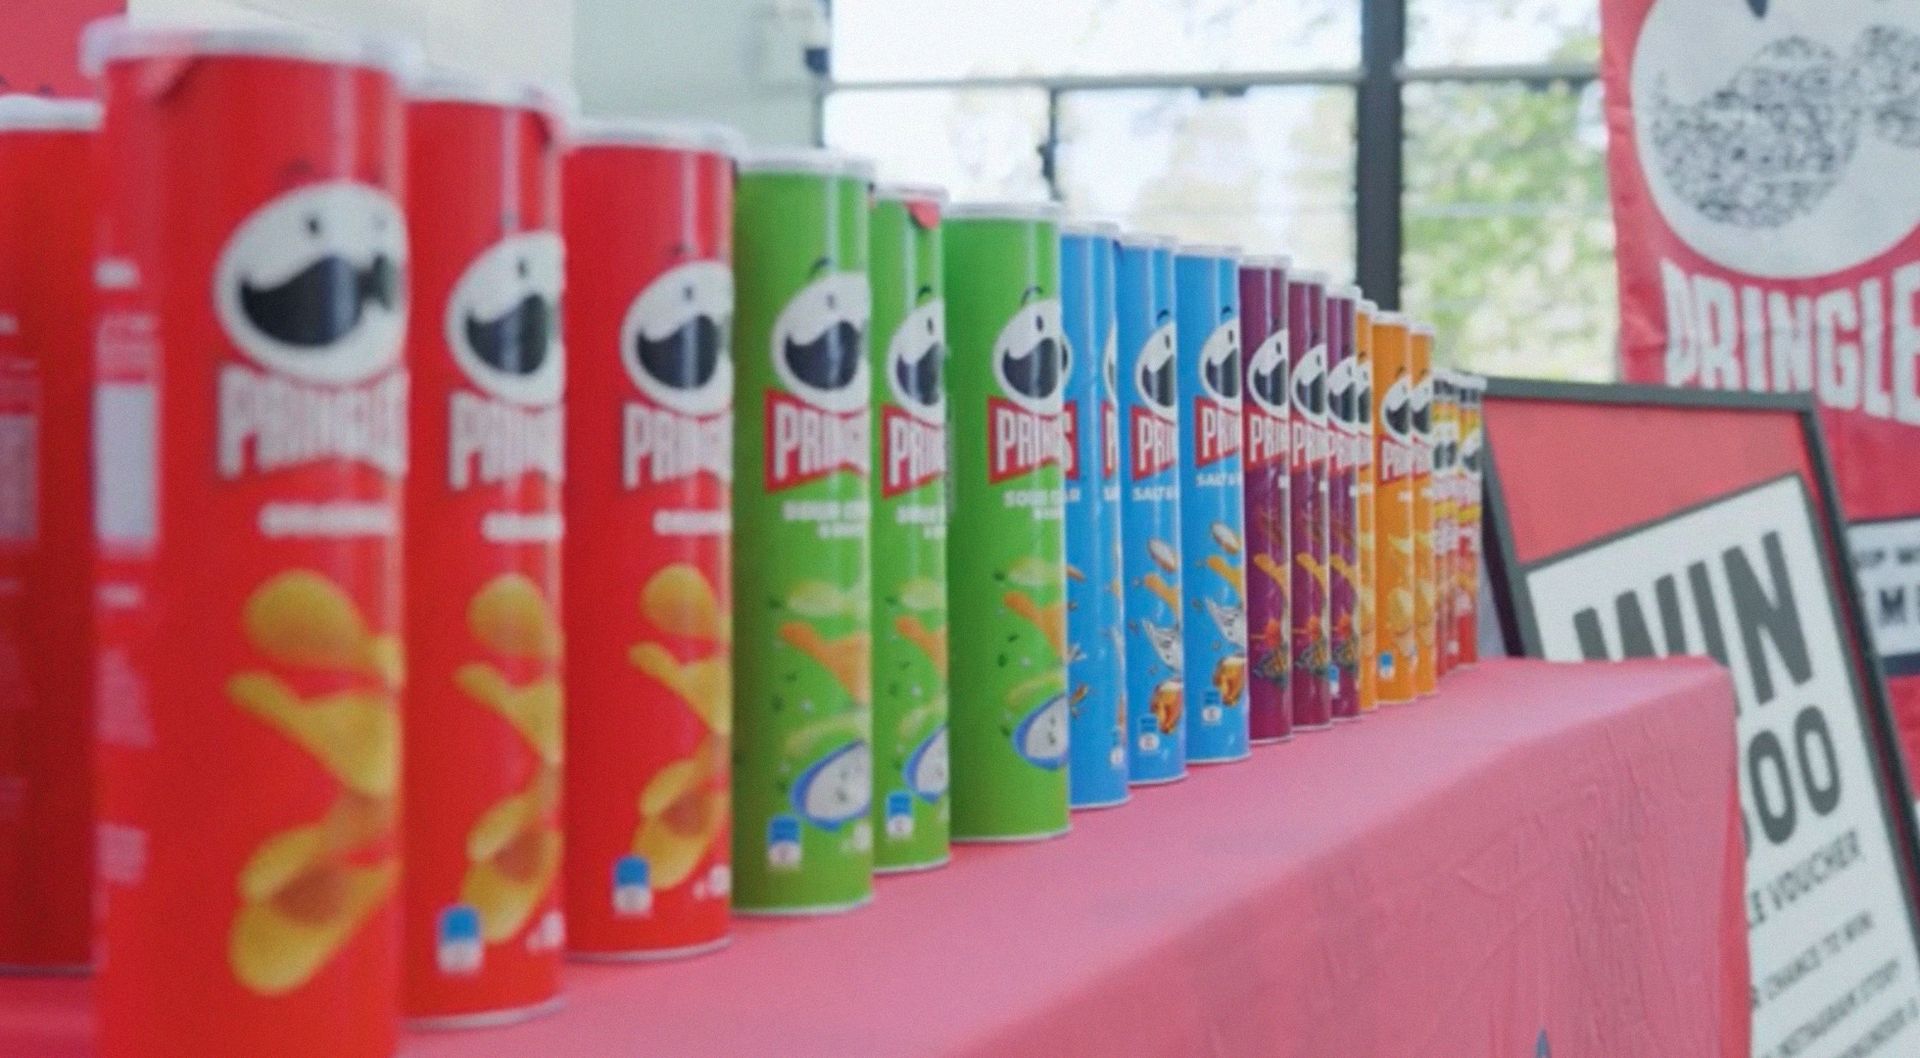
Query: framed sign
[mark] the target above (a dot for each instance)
(1631, 521)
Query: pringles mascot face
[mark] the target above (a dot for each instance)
(674, 339)
(503, 319)
(819, 342)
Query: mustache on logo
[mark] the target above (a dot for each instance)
(516, 341)
(1769, 145)
(1223, 376)
(830, 361)
(919, 378)
(1036, 372)
(323, 302)
(1157, 383)
(686, 358)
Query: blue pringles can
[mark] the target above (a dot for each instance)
(1144, 329)
(1096, 672)
(1212, 533)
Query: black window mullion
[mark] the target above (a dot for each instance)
(1379, 160)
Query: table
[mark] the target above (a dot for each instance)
(1544, 859)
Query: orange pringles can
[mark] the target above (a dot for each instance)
(46, 533)
(650, 460)
(1363, 492)
(482, 931)
(1426, 658)
(1394, 463)
(248, 517)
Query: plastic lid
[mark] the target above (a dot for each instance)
(1317, 278)
(1082, 226)
(1036, 211)
(1267, 260)
(23, 113)
(1421, 328)
(806, 160)
(1147, 239)
(666, 135)
(911, 192)
(1206, 249)
(111, 39)
(450, 86)
(1369, 306)
(1345, 290)
(1390, 319)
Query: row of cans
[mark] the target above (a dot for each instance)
(297, 427)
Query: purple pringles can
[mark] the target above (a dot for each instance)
(1266, 457)
(1307, 350)
(1343, 507)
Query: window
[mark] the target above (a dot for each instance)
(1250, 121)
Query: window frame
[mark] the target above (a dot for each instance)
(1378, 84)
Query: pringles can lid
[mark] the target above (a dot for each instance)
(1208, 249)
(1421, 328)
(1369, 306)
(910, 192)
(1147, 239)
(1345, 291)
(666, 135)
(1310, 278)
(1391, 319)
(110, 39)
(20, 112)
(806, 160)
(1267, 260)
(1082, 226)
(1041, 211)
(449, 86)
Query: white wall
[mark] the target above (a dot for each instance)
(732, 61)
(500, 38)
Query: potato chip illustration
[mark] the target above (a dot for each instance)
(277, 945)
(1228, 572)
(354, 734)
(679, 602)
(818, 600)
(931, 641)
(706, 685)
(509, 820)
(511, 615)
(923, 595)
(1032, 573)
(534, 709)
(1164, 556)
(845, 658)
(1315, 569)
(1340, 565)
(1275, 570)
(1226, 537)
(1158, 585)
(507, 888)
(353, 821)
(1074, 574)
(1051, 619)
(302, 618)
(682, 811)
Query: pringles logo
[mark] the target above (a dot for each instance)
(675, 343)
(1030, 365)
(312, 287)
(817, 425)
(1265, 409)
(1396, 425)
(503, 327)
(1156, 444)
(1310, 407)
(1216, 409)
(913, 434)
(1340, 395)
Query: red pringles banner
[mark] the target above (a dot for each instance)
(1762, 158)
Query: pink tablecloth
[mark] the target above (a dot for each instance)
(1545, 859)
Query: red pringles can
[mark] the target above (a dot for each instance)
(483, 931)
(650, 464)
(250, 410)
(46, 533)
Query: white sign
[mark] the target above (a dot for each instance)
(1836, 969)
(1886, 555)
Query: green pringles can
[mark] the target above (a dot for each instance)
(911, 810)
(1006, 570)
(803, 728)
